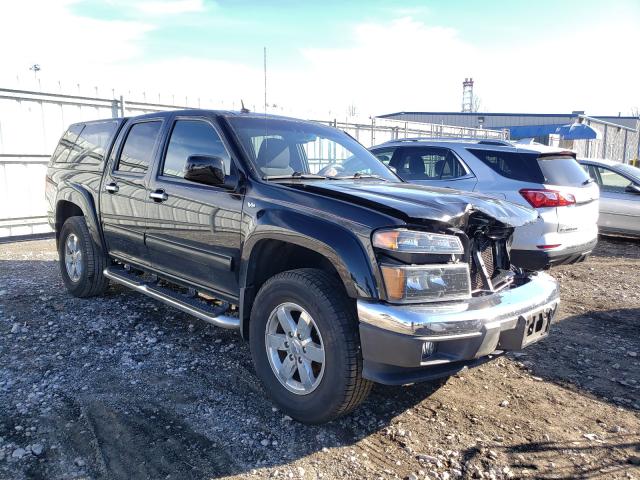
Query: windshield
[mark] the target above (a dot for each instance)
(290, 148)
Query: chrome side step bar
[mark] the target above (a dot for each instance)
(215, 316)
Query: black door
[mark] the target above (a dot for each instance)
(124, 196)
(193, 230)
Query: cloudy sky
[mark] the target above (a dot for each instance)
(327, 56)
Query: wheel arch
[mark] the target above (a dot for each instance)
(321, 244)
(74, 201)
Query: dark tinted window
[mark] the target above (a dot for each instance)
(193, 137)
(384, 155)
(94, 141)
(562, 170)
(517, 166)
(66, 144)
(428, 163)
(137, 152)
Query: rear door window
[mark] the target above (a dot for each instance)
(428, 163)
(137, 152)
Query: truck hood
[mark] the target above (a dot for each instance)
(444, 205)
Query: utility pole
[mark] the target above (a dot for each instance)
(265, 80)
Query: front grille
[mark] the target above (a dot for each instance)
(483, 245)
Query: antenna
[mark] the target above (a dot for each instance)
(243, 109)
(265, 80)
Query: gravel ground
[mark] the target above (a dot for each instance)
(122, 387)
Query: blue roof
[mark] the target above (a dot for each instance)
(531, 131)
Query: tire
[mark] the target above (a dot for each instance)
(339, 386)
(87, 279)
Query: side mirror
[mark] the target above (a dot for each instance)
(205, 169)
(633, 188)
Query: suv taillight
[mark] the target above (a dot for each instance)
(547, 198)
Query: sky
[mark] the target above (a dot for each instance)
(328, 59)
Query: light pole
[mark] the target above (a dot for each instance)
(36, 68)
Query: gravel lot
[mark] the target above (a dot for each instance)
(122, 387)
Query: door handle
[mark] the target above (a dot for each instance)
(111, 187)
(159, 195)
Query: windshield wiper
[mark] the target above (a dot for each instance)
(588, 181)
(300, 175)
(360, 175)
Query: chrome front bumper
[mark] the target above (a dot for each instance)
(461, 331)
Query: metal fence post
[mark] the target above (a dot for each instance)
(373, 131)
(121, 106)
(115, 108)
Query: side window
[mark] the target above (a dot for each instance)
(384, 155)
(612, 181)
(193, 137)
(94, 140)
(67, 144)
(137, 151)
(428, 163)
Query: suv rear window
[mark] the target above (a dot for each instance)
(67, 144)
(530, 167)
(94, 140)
(562, 170)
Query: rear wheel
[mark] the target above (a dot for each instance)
(81, 260)
(305, 346)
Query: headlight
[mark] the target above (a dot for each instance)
(426, 283)
(415, 241)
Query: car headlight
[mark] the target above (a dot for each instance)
(426, 283)
(415, 241)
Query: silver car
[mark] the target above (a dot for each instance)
(546, 178)
(619, 196)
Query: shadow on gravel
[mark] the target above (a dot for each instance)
(597, 352)
(608, 467)
(609, 247)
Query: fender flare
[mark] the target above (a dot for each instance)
(80, 196)
(339, 244)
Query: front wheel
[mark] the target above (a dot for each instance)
(305, 346)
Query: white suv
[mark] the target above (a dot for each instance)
(545, 178)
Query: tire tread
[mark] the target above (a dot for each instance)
(325, 286)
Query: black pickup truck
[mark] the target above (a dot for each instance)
(337, 272)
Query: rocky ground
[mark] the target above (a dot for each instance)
(122, 387)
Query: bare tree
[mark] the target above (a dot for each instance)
(635, 112)
(477, 104)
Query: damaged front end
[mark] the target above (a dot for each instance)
(448, 303)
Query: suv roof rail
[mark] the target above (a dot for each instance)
(504, 143)
(480, 141)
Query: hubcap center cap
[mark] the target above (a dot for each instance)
(296, 347)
